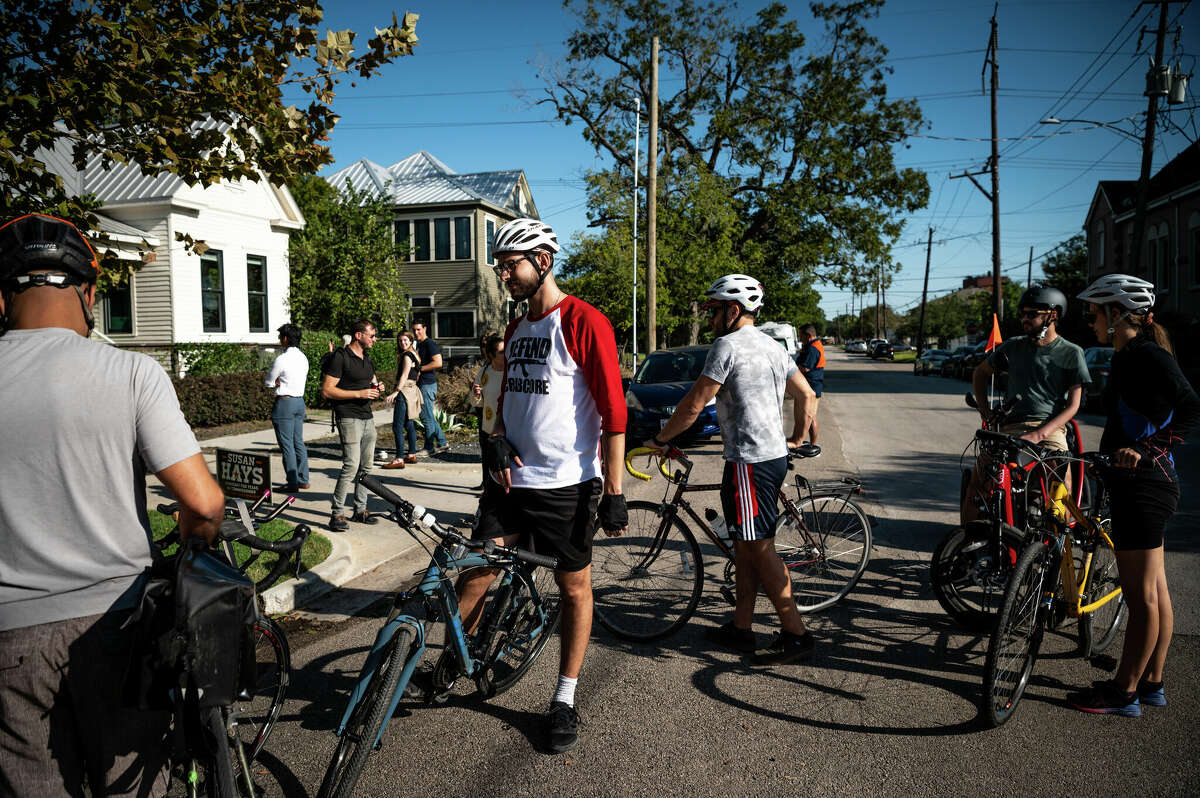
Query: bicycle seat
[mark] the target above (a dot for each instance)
(806, 450)
(232, 529)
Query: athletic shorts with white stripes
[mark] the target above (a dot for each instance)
(750, 498)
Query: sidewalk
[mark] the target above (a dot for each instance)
(441, 484)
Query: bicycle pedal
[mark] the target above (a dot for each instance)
(727, 592)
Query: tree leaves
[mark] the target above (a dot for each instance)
(135, 81)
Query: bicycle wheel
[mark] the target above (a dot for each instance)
(647, 582)
(1097, 629)
(825, 549)
(523, 631)
(258, 711)
(357, 740)
(1015, 641)
(967, 576)
(219, 779)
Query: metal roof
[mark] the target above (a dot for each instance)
(113, 227)
(421, 179)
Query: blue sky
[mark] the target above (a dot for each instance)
(464, 96)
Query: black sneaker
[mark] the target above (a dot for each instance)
(338, 523)
(1105, 698)
(731, 636)
(364, 518)
(562, 727)
(786, 648)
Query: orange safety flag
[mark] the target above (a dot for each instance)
(994, 337)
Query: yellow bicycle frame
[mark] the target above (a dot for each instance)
(1060, 506)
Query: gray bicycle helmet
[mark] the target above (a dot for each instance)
(1131, 293)
(1044, 297)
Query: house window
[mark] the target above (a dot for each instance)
(256, 292)
(1100, 248)
(420, 311)
(491, 240)
(420, 239)
(400, 237)
(456, 324)
(1194, 247)
(212, 291)
(118, 309)
(462, 237)
(441, 239)
(1158, 256)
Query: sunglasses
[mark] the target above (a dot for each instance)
(1033, 314)
(713, 312)
(1090, 317)
(509, 266)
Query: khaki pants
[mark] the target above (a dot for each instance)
(1055, 440)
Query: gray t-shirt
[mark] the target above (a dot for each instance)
(753, 370)
(1041, 374)
(80, 424)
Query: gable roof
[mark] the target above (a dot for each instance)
(421, 179)
(126, 184)
(1181, 171)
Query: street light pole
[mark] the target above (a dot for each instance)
(637, 135)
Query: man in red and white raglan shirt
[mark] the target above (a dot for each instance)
(562, 414)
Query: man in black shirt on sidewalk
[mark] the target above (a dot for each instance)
(349, 383)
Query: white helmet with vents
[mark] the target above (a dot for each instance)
(524, 235)
(740, 288)
(1132, 293)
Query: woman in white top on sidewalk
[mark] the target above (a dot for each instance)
(485, 389)
(287, 376)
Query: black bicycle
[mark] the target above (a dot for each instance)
(246, 725)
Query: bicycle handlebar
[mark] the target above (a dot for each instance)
(412, 513)
(670, 453)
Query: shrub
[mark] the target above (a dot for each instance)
(454, 389)
(223, 398)
(203, 360)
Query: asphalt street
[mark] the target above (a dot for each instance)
(887, 706)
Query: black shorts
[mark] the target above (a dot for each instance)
(818, 387)
(750, 498)
(556, 522)
(1140, 511)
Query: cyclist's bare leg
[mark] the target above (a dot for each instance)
(1151, 620)
(473, 585)
(745, 586)
(811, 432)
(970, 505)
(575, 590)
(769, 571)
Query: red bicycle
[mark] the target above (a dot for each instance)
(972, 563)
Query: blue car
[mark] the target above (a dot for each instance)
(660, 382)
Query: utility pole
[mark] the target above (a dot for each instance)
(883, 310)
(877, 278)
(637, 135)
(1139, 217)
(993, 168)
(1029, 270)
(924, 295)
(652, 206)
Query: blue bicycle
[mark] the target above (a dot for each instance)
(520, 616)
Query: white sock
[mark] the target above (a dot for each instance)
(565, 692)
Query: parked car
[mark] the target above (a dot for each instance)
(785, 334)
(1099, 363)
(953, 361)
(882, 350)
(660, 382)
(930, 361)
(974, 356)
(856, 347)
(902, 347)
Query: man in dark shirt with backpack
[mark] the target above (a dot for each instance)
(349, 383)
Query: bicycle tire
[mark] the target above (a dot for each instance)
(966, 581)
(357, 740)
(826, 559)
(219, 779)
(1099, 628)
(513, 652)
(1014, 644)
(273, 668)
(644, 587)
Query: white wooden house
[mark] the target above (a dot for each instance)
(236, 291)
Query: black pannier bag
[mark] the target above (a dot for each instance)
(194, 632)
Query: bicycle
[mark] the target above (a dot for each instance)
(1045, 583)
(516, 624)
(250, 721)
(647, 583)
(971, 563)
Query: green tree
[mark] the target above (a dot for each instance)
(1066, 268)
(798, 143)
(344, 265)
(979, 308)
(945, 319)
(141, 82)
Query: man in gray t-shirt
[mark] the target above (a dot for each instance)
(80, 425)
(749, 373)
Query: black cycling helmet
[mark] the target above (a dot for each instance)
(1044, 297)
(37, 242)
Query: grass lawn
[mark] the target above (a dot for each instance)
(315, 550)
(905, 357)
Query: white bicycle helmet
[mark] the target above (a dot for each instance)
(1132, 293)
(523, 235)
(740, 288)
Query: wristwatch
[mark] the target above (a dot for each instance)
(654, 439)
